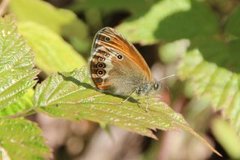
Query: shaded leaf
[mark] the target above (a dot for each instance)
(16, 64)
(165, 21)
(219, 52)
(215, 84)
(26, 144)
(51, 51)
(70, 96)
(134, 6)
(233, 23)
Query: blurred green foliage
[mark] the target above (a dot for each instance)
(200, 35)
(63, 22)
(228, 139)
(52, 52)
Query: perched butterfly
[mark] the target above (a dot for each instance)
(117, 67)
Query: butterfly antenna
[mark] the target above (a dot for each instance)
(172, 75)
(165, 86)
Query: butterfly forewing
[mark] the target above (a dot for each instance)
(120, 44)
(116, 65)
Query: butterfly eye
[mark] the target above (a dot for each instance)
(107, 39)
(120, 57)
(156, 86)
(138, 91)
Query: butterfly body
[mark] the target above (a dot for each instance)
(117, 67)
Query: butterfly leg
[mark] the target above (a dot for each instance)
(143, 107)
(126, 99)
(129, 96)
(145, 103)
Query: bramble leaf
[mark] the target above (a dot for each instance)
(70, 96)
(23, 105)
(16, 64)
(21, 139)
(217, 85)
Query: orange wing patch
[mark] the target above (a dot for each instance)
(117, 42)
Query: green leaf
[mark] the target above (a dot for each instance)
(21, 139)
(212, 49)
(51, 51)
(227, 137)
(95, 11)
(215, 84)
(219, 52)
(165, 21)
(233, 23)
(135, 6)
(61, 21)
(16, 64)
(70, 96)
(22, 105)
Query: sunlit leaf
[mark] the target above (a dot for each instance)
(52, 53)
(61, 21)
(227, 137)
(165, 21)
(22, 105)
(70, 96)
(16, 64)
(21, 139)
(215, 84)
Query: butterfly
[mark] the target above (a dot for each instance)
(117, 67)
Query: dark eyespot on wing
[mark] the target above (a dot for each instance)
(107, 39)
(120, 57)
(101, 65)
(101, 72)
